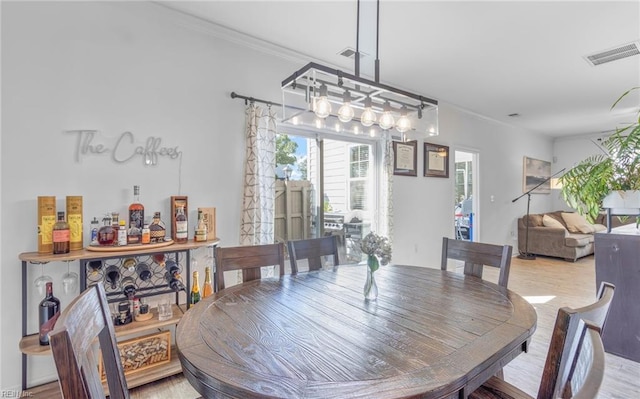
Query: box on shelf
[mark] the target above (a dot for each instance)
(46, 220)
(140, 353)
(209, 216)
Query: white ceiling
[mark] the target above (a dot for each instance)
(490, 58)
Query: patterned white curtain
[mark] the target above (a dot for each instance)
(258, 206)
(385, 193)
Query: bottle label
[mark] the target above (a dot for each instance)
(46, 228)
(75, 227)
(201, 235)
(136, 217)
(61, 235)
(181, 230)
(146, 236)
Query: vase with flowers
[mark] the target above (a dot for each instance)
(378, 250)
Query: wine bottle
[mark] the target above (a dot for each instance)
(136, 218)
(48, 313)
(144, 272)
(172, 268)
(195, 289)
(113, 276)
(182, 227)
(129, 287)
(207, 287)
(174, 282)
(61, 235)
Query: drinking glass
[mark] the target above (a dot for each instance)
(41, 282)
(69, 281)
(165, 310)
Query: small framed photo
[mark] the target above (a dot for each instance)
(405, 158)
(436, 160)
(177, 201)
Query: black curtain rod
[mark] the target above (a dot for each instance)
(253, 100)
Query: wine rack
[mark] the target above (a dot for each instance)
(157, 284)
(124, 262)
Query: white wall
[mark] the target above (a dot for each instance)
(116, 67)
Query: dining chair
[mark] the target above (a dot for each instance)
(73, 339)
(249, 259)
(569, 371)
(476, 255)
(313, 250)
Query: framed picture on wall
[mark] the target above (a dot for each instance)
(534, 172)
(405, 158)
(436, 160)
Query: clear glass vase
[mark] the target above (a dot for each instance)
(370, 287)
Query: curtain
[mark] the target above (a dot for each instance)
(385, 192)
(257, 224)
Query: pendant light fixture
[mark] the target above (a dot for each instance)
(308, 95)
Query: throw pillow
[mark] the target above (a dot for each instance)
(576, 223)
(548, 221)
(599, 227)
(535, 220)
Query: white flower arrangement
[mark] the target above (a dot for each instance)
(376, 247)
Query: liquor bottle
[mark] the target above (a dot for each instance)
(129, 287)
(107, 235)
(48, 313)
(144, 271)
(157, 228)
(95, 266)
(207, 287)
(146, 234)
(182, 227)
(113, 276)
(136, 209)
(61, 235)
(201, 229)
(195, 289)
(122, 234)
(129, 264)
(95, 226)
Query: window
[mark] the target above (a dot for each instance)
(358, 176)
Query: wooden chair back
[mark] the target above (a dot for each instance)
(249, 259)
(557, 368)
(587, 367)
(476, 255)
(313, 250)
(72, 342)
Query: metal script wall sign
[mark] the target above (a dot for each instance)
(124, 149)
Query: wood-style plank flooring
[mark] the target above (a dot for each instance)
(548, 284)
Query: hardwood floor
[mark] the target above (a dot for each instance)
(548, 284)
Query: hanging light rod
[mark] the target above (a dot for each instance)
(253, 100)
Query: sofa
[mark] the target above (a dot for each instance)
(559, 234)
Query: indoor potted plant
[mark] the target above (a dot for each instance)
(597, 180)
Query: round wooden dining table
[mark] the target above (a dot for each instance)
(429, 334)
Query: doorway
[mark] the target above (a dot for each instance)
(466, 217)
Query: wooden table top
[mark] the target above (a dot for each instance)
(430, 334)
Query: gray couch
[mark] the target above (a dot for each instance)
(558, 242)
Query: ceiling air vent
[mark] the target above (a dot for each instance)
(350, 53)
(617, 53)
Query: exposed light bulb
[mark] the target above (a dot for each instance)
(319, 123)
(356, 130)
(432, 131)
(322, 106)
(404, 124)
(337, 127)
(295, 120)
(386, 120)
(345, 113)
(368, 117)
(372, 132)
